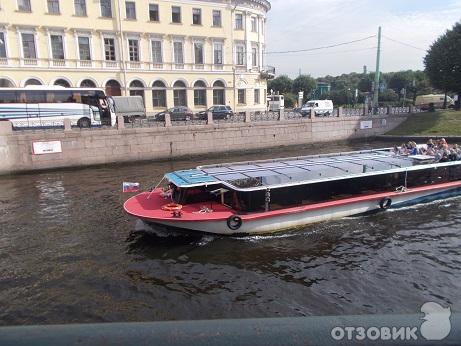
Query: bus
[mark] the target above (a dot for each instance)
(34, 106)
(275, 102)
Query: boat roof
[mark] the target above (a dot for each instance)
(264, 174)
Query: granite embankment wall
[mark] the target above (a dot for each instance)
(102, 146)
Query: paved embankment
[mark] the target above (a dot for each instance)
(73, 148)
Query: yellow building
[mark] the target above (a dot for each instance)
(173, 52)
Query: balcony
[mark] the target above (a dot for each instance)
(268, 72)
(58, 63)
(30, 62)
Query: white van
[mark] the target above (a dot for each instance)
(320, 107)
(424, 101)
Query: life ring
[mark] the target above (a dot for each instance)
(234, 222)
(172, 207)
(385, 203)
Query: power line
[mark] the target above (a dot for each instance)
(319, 48)
(403, 43)
(338, 52)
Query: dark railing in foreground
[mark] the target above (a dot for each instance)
(336, 330)
(243, 117)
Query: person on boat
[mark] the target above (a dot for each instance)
(430, 151)
(453, 156)
(403, 149)
(430, 143)
(413, 148)
(444, 156)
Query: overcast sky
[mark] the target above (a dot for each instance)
(304, 24)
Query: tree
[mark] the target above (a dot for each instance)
(304, 83)
(443, 62)
(282, 84)
(400, 80)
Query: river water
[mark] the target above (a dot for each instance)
(68, 254)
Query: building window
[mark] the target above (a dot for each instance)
(159, 94)
(198, 53)
(106, 8)
(257, 97)
(241, 96)
(53, 6)
(240, 51)
(87, 83)
(199, 94)
(137, 89)
(217, 18)
(2, 45)
(109, 49)
(254, 56)
(219, 93)
(254, 24)
(154, 14)
(130, 7)
(180, 94)
(28, 46)
(62, 82)
(6, 83)
(157, 56)
(32, 81)
(113, 88)
(133, 49)
(57, 47)
(24, 6)
(218, 53)
(84, 49)
(178, 53)
(196, 16)
(238, 21)
(80, 8)
(176, 14)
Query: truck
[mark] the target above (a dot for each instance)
(275, 103)
(425, 101)
(130, 107)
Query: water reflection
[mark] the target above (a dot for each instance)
(53, 201)
(69, 254)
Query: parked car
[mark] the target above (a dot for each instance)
(219, 112)
(180, 113)
(320, 107)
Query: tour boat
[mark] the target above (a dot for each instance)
(273, 195)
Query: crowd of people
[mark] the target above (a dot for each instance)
(439, 149)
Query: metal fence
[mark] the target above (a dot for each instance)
(265, 116)
(288, 115)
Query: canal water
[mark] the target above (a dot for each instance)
(68, 254)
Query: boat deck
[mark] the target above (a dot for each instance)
(268, 173)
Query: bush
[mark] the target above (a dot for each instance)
(290, 100)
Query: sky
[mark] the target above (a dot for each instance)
(306, 24)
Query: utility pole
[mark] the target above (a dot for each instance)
(377, 73)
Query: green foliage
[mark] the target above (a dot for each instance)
(388, 95)
(282, 84)
(400, 80)
(443, 61)
(304, 83)
(290, 100)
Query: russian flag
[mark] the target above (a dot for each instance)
(130, 187)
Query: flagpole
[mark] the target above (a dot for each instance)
(155, 188)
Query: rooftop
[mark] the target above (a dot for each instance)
(257, 175)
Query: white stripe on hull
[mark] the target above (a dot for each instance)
(293, 220)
